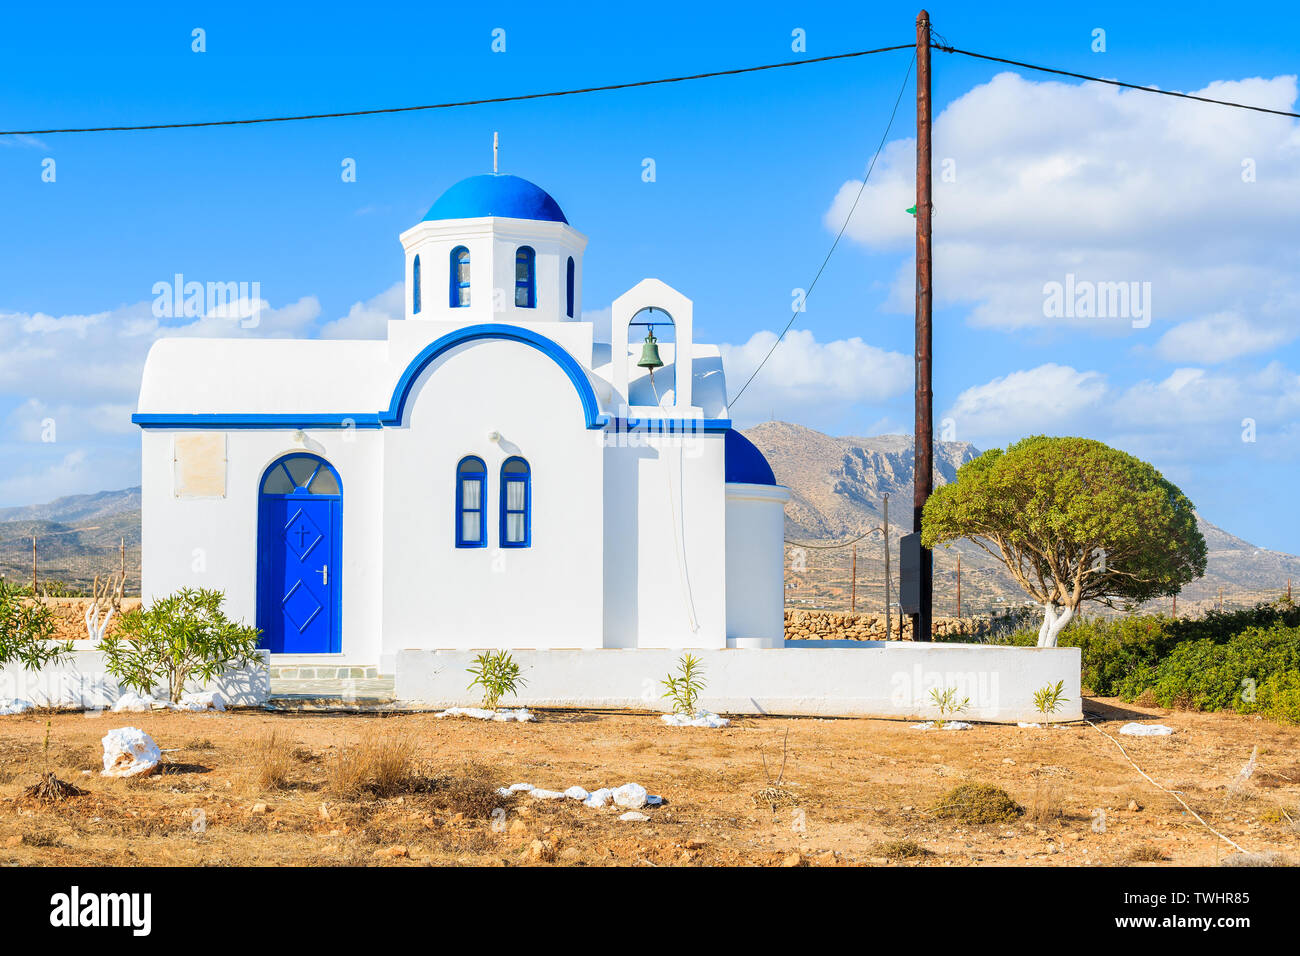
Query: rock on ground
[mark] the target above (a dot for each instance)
(129, 752)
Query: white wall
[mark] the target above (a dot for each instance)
(546, 595)
(756, 565)
(882, 679)
(81, 681)
(212, 542)
(665, 518)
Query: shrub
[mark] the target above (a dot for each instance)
(184, 636)
(1278, 697)
(498, 675)
(684, 687)
(26, 629)
(1048, 699)
(978, 803)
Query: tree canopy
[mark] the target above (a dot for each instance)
(1073, 520)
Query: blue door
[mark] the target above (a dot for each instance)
(299, 542)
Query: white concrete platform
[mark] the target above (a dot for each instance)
(81, 682)
(813, 678)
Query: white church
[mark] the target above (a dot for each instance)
(490, 474)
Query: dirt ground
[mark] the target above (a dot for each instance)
(854, 792)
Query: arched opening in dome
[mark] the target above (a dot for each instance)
(651, 335)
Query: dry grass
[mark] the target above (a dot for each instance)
(377, 766)
(898, 849)
(978, 803)
(274, 761)
(470, 792)
(1045, 809)
(50, 789)
(1146, 853)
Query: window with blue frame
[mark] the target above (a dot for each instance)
(569, 288)
(459, 277)
(415, 286)
(525, 269)
(516, 504)
(471, 493)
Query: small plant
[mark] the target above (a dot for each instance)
(899, 849)
(684, 687)
(498, 674)
(184, 636)
(946, 702)
(1048, 699)
(27, 631)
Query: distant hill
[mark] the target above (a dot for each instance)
(838, 487)
(77, 537)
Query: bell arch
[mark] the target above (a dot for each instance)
(662, 298)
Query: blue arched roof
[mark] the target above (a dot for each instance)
(470, 333)
(496, 194)
(745, 464)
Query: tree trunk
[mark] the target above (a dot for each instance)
(1054, 621)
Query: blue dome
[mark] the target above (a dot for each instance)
(496, 194)
(744, 462)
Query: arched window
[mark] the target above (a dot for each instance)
(525, 266)
(471, 493)
(459, 277)
(569, 287)
(301, 474)
(415, 286)
(516, 504)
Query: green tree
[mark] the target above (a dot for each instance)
(27, 631)
(181, 637)
(1073, 520)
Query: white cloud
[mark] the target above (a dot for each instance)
(1109, 185)
(1189, 415)
(808, 381)
(1219, 338)
(1044, 399)
(369, 319)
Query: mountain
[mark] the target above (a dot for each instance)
(77, 537)
(838, 487)
(77, 508)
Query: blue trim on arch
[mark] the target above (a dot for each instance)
(492, 330)
(671, 426)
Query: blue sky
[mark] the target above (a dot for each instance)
(1048, 180)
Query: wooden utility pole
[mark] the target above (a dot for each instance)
(1175, 614)
(888, 634)
(853, 601)
(923, 446)
(959, 584)
(33, 566)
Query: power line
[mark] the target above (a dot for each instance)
(479, 102)
(1127, 86)
(838, 235)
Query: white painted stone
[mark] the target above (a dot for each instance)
(129, 752)
(630, 795)
(576, 793)
(10, 706)
(633, 816)
(1146, 730)
(599, 798)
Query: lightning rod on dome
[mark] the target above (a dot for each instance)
(494, 151)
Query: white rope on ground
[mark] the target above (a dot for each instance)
(1171, 793)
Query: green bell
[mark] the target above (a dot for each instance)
(650, 352)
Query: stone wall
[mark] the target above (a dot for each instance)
(70, 616)
(807, 625)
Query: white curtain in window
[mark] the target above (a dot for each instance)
(472, 494)
(515, 528)
(515, 495)
(469, 526)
